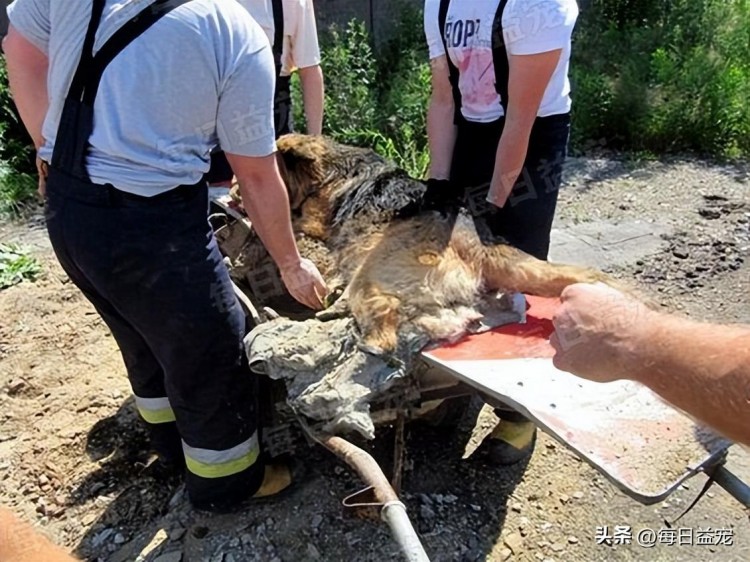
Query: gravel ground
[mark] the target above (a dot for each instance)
(74, 458)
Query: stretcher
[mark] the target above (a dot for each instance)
(641, 444)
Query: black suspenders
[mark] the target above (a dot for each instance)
(499, 57)
(278, 33)
(77, 119)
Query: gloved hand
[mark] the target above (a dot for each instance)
(440, 195)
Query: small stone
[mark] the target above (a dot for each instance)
(564, 499)
(514, 541)
(505, 554)
(229, 557)
(119, 538)
(234, 543)
(312, 552)
(316, 521)
(43, 480)
(176, 533)
(269, 523)
(450, 498)
(246, 539)
(101, 536)
(558, 547)
(572, 539)
(426, 512)
(516, 507)
(578, 495)
(174, 556)
(475, 507)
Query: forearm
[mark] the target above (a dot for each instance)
(441, 133)
(510, 156)
(27, 77)
(265, 200)
(313, 95)
(19, 542)
(702, 369)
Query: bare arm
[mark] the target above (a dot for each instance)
(527, 81)
(441, 131)
(267, 204)
(313, 95)
(27, 75)
(703, 369)
(20, 542)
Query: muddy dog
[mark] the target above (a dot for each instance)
(425, 273)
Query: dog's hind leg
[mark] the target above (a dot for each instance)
(505, 267)
(377, 316)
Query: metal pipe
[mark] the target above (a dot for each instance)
(739, 490)
(393, 511)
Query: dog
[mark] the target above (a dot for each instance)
(426, 273)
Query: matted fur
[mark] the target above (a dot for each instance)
(426, 274)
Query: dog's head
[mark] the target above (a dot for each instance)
(351, 180)
(303, 162)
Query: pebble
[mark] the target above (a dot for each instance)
(475, 507)
(246, 538)
(505, 554)
(578, 496)
(514, 541)
(572, 539)
(316, 521)
(450, 498)
(558, 547)
(176, 533)
(175, 556)
(564, 499)
(312, 552)
(516, 507)
(426, 512)
(234, 543)
(229, 557)
(119, 538)
(101, 536)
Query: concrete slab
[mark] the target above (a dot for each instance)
(602, 244)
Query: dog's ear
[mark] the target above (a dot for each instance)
(302, 159)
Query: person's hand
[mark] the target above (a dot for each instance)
(304, 282)
(439, 195)
(42, 170)
(597, 329)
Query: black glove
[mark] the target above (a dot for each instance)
(440, 195)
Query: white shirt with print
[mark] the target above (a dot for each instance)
(529, 27)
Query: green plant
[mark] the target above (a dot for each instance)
(350, 74)
(663, 76)
(16, 266)
(17, 168)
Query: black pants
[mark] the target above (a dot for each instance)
(526, 219)
(152, 269)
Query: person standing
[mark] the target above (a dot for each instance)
(291, 29)
(498, 125)
(124, 100)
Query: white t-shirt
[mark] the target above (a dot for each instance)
(169, 97)
(529, 27)
(300, 48)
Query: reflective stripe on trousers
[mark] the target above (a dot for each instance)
(207, 463)
(155, 410)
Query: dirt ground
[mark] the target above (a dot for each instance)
(74, 457)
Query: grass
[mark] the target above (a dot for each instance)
(16, 266)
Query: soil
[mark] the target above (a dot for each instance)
(74, 458)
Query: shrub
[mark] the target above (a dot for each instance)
(17, 169)
(656, 76)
